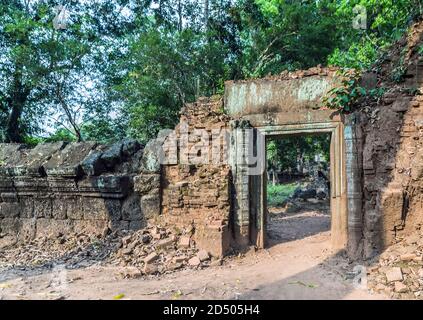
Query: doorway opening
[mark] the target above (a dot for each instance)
(298, 187)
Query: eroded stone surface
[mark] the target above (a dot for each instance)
(69, 187)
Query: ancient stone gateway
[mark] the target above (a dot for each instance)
(92, 188)
(281, 107)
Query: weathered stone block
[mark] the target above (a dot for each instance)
(27, 207)
(150, 162)
(10, 226)
(67, 162)
(150, 204)
(118, 225)
(53, 227)
(112, 155)
(74, 209)
(136, 225)
(391, 207)
(43, 208)
(92, 164)
(27, 229)
(216, 241)
(9, 209)
(131, 208)
(144, 183)
(59, 208)
(130, 147)
(102, 209)
(32, 163)
(117, 186)
(10, 154)
(92, 227)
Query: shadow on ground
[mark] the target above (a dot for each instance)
(309, 219)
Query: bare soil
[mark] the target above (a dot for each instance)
(297, 265)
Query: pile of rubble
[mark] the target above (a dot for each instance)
(399, 270)
(150, 251)
(156, 250)
(73, 250)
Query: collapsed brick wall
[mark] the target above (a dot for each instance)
(197, 193)
(69, 188)
(393, 148)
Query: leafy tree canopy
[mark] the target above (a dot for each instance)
(124, 68)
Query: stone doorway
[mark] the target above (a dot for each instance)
(297, 182)
(287, 106)
(338, 203)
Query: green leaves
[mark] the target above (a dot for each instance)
(129, 73)
(345, 96)
(387, 20)
(284, 154)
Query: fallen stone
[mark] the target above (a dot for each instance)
(406, 271)
(394, 274)
(313, 200)
(112, 155)
(185, 242)
(130, 147)
(380, 287)
(162, 244)
(126, 240)
(194, 262)
(216, 263)
(156, 234)
(179, 259)
(203, 255)
(127, 251)
(175, 266)
(146, 239)
(408, 257)
(400, 287)
(150, 268)
(131, 273)
(151, 258)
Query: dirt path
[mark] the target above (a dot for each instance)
(299, 269)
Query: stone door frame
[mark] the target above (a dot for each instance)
(338, 176)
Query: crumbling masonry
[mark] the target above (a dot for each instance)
(376, 168)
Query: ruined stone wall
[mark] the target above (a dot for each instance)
(195, 191)
(393, 149)
(68, 188)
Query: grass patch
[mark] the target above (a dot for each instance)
(277, 194)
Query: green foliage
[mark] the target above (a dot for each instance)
(125, 68)
(360, 55)
(286, 153)
(282, 35)
(32, 141)
(278, 193)
(104, 130)
(349, 92)
(345, 96)
(387, 21)
(61, 135)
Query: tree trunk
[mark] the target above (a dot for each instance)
(180, 15)
(206, 14)
(13, 132)
(16, 105)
